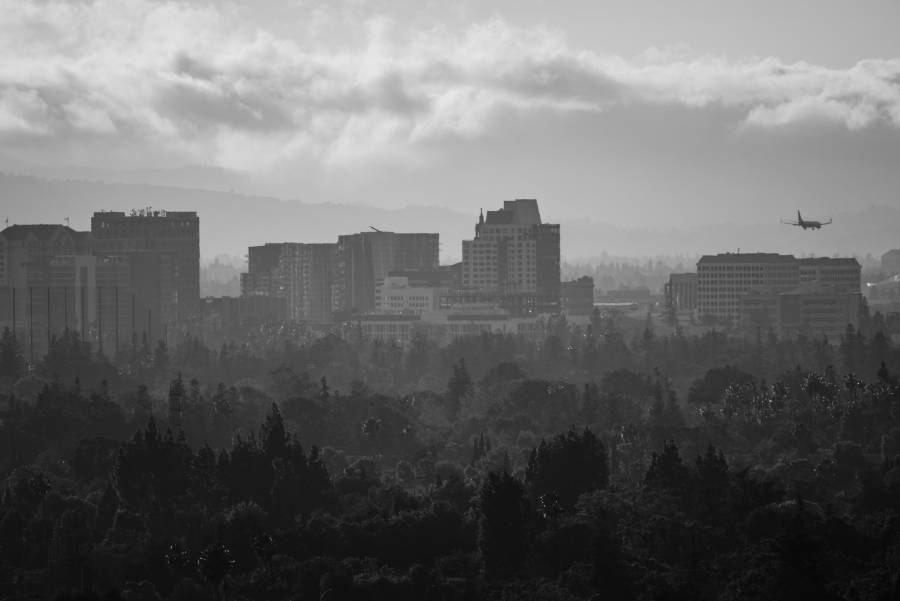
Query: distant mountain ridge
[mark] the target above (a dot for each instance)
(230, 222)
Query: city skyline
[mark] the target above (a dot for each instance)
(634, 114)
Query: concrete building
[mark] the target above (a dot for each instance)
(445, 276)
(442, 327)
(394, 294)
(817, 312)
(363, 260)
(843, 274)
(514, 257)
(59, 282)
(22, 245)
(175, 235)
(577, 296)
(723, 279)
(681, 292)
(300, 274)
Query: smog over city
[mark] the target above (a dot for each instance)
(449, 300)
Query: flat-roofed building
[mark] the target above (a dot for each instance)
(395, 295)
(577, 296)
(681, 292)
(301, 274)
(843, 274)
(363, 260)
(817, 312)
(175, 235)
(724, 278)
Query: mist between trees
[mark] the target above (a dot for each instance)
(593, 464)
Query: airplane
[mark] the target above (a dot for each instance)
(806, 224)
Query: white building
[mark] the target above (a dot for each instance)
(394, 295)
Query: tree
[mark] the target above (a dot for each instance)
(459, 386)
(214, 564)
(272, 435)
(708, 389)
(569, 465)
(502, 525)
(12, 363)
(667, 472)
(176, 402)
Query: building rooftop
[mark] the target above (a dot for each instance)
(148, 212)
(522, 211)
(41, 231)
(747, 258)
(829, 261)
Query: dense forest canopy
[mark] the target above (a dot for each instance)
(588, 465)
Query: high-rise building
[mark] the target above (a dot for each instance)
(301, 274)
(514, 257)
(723, 279)
(175, 235)
(363, 260)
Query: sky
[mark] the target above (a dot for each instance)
(635, 113)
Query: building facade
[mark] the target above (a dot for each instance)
(175, 235)
(514, 257)
(723, 279)
(394, 294)
(577, 296)
(300, 274)
(681, 292)
(817, 312)
(363, 260)
(842, 274)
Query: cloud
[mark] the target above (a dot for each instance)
(203, 84)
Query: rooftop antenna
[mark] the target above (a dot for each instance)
(375, 229)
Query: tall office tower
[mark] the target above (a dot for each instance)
(844, 275)
(514, 257)
(299, 273)
(175, 235)
(724, 279)
(364, 260)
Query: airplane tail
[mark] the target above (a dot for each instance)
(799, 218)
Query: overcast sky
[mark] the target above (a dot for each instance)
(632, 112)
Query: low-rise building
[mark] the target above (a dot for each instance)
(577, 296)
(817, 312)
(681, 292)
(843, 274)
(395, 295)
